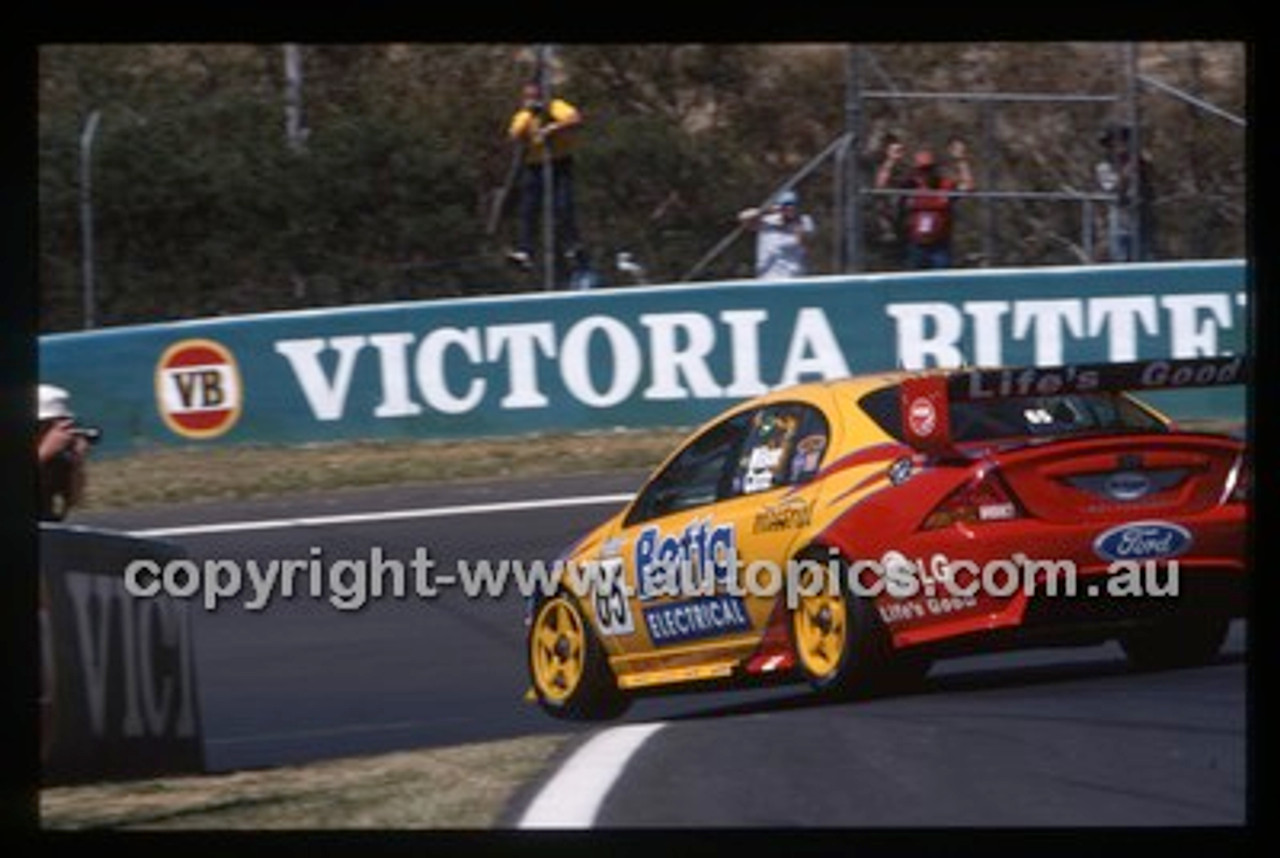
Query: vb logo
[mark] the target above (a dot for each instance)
(198, 390)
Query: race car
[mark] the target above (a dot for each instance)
(848, 533)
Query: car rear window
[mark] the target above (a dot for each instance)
(1023, 416)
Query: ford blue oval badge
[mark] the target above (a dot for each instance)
(1142, 540)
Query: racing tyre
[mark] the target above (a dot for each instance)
(568, 666)
(841, 646)
(1170, 643)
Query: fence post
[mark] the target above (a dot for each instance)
(294, 128)
(89, 297)
(852, 190)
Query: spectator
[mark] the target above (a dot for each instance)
(1114, 175)
(584, 276)
(928, 208)
(62, 448)
(626, 263)
(546, 129)
(886, 226)
(782, 233)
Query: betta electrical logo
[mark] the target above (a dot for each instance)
(198, 389)
(696, 561)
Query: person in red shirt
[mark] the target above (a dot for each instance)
(927, 210)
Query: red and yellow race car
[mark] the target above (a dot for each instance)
(850, 532)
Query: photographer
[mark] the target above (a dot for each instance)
(62, 447)
(546, 129)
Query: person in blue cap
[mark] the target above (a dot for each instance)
(782, 236)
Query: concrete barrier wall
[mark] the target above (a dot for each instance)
(118, 696)
(662, 355)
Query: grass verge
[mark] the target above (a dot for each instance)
(464, 786)
(183, 475)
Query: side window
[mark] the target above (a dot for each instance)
(697, 476)
(784, 447)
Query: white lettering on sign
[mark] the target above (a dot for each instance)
(1120, 318)
(987, 341)
(575, 363)
(433, 380)
(940, 333)
(686, 339)
(1195, 321)
(327, 395)
(394, 365)
(602, 361)
(522, 344)
(1047, 321)
(928, 333)
(814, 352)
(744, 334)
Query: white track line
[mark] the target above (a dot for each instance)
(572, 798)
(387, 515)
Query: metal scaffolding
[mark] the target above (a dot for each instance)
(848, 253)
(849, 256)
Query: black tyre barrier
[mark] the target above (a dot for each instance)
(118, 694)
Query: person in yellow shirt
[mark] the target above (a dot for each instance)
(545, 128)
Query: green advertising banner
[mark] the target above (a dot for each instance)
(638, 357)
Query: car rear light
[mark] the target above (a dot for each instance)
(985, 498)
(1239, 482)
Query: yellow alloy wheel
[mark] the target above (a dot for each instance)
(558, 644)
(820, 624)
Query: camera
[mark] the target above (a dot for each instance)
(62, 476)
(92, 434)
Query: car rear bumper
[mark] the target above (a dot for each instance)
(1073, 585)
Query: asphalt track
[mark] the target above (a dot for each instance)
(1042, 737)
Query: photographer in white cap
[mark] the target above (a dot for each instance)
(781, 236)
(62, 449)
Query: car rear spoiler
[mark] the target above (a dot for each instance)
(925, 399)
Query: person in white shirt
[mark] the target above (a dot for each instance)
(782, 235)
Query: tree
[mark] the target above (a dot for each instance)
(203, 208)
